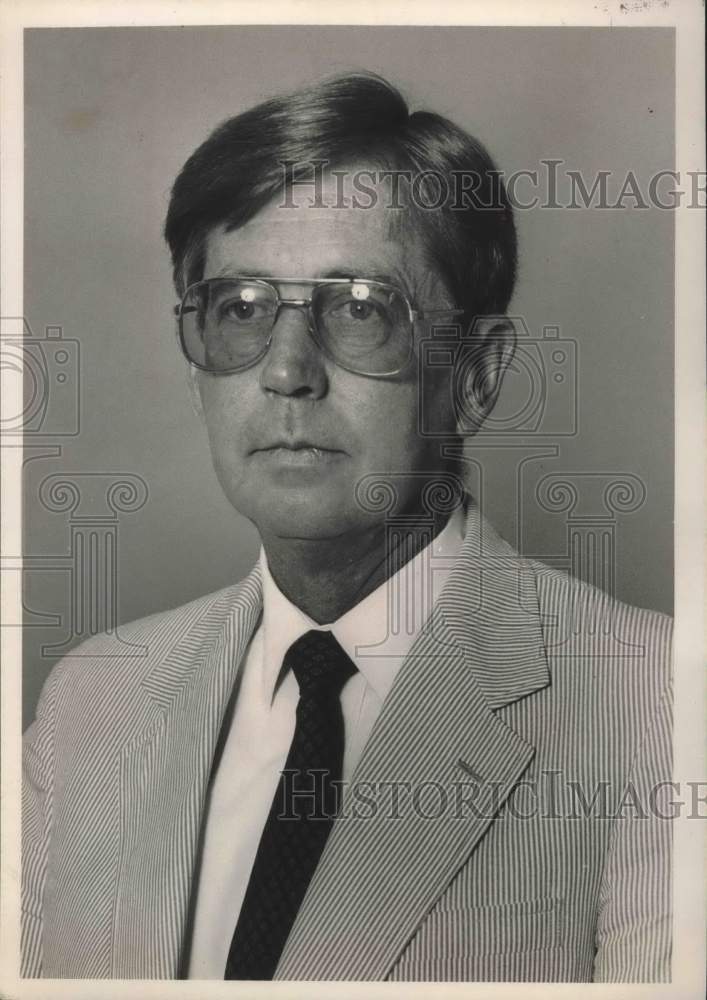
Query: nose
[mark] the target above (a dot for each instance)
(294, 366)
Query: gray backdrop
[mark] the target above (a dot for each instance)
(111, 114)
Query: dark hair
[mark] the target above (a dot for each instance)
(352, 119)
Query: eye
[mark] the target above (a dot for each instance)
(348, 310)
(360, 310)
(237, 309)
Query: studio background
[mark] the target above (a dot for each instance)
(111, 115)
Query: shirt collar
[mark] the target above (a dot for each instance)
(378, 632)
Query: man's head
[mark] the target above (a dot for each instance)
(333, 181)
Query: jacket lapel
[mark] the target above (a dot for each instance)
(164, 775)
(436, 768)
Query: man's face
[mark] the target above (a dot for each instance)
(293, 435)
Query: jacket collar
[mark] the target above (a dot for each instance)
(163, 779)
(490, 608)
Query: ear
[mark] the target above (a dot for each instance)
(480, 370)
(192, 374)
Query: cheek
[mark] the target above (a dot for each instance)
(224, 407)
(371, 404)
(389, 427)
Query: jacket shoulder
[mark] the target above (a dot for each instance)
(121, 659)
(583, 623)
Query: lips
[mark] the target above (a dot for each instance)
(297, 445)
(297, 457)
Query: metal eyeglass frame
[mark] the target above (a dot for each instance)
(306, 304)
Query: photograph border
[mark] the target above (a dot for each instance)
(687, 17)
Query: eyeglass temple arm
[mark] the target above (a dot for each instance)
(426, 313)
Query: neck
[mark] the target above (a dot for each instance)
(325, 578)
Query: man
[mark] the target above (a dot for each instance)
(396, 750)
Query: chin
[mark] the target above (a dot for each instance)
(310, 525)
(298, 514)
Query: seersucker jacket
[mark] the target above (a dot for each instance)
(504, 821)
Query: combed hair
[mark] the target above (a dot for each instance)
(352, 119)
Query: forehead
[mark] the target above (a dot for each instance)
(349, 233)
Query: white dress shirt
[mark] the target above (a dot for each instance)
(377, 634)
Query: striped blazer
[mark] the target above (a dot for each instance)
(504, 821)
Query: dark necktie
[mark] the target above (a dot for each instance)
(302, 810)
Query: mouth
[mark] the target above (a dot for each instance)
(298, 452)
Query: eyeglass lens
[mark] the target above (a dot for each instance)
(364, 326)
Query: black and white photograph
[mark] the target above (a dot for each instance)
(353, 517)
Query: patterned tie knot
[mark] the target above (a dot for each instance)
(320, 664)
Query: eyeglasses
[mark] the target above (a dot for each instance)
(226, 324)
